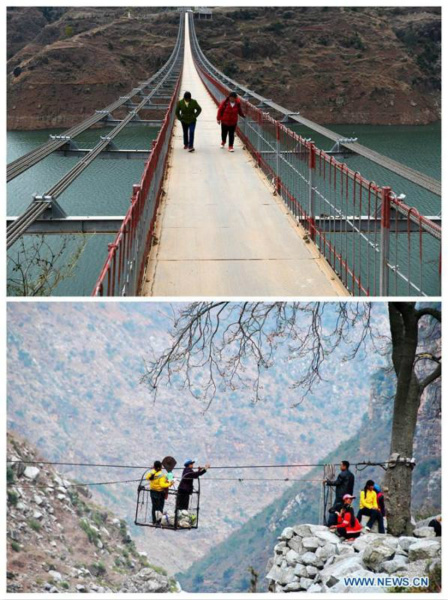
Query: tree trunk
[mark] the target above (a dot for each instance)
(404, 329)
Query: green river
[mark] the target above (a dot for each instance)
(105, 186)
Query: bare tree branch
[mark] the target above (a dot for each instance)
(37, 267)
(227, 344)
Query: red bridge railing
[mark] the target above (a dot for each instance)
(124, 268)
(376, 244)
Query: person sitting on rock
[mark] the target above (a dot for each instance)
(380, 499)
(368, 505)
(347, 525)
(344, 484)
(158, 484)
(185, 488)
(436, 524)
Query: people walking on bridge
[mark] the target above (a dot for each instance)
(185, 489)
(368, 505)
(228, 113)
(158, 484)
(187, 111)
(344, 484)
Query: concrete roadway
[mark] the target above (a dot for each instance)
(221, 231)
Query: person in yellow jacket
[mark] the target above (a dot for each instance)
(158, 485)
(368, 505)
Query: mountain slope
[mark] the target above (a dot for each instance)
(60, 541)
(225, 567)
(61, 72)
(73, 390)
(329, 63)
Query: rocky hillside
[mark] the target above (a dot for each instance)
(310, 558)
(74, 371)
(225, 568)
(59, 540)
(335, 65)
(63, 64)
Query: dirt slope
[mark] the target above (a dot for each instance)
(82, 62)
(334, 65)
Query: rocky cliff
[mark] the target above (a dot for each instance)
(60, 541)
(335, 65)
(311, 558)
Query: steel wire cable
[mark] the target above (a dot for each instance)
(29, 159)
(359, 465)
(208, 479)
(20, 225)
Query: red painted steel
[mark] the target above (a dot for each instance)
(363, 199)
(113, 269)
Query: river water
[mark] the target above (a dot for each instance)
(105, 186)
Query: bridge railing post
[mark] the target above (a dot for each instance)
(311, 183)
(259, 125)
(133, 275)
(277, 157)
(385, 240)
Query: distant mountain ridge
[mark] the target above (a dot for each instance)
(327, 62)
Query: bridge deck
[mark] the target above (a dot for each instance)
(221, 230)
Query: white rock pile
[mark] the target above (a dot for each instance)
(311, 558)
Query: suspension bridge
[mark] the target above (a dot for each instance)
(278, 217)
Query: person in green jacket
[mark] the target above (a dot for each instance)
(187, 112)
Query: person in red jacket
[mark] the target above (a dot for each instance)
(347, 525)
(228, 112)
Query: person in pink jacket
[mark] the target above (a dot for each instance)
(228, 113)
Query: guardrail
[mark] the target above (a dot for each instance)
(124, 267)
(376, 244)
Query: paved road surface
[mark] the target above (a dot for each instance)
(221, 230)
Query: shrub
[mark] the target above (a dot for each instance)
(277, 27)
(159, 570)
(34, 525)
(230, 70)
(98, 568)
(12, 498)
(354, 41)
(68, 31)
(435, 580)
(10, 475)
(15, 546)
(92, 535)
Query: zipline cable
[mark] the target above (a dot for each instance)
(363, 464)
(239, 479)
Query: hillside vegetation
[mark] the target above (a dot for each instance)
(335, 65)
(66, 63)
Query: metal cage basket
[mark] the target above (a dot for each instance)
(172, 517)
